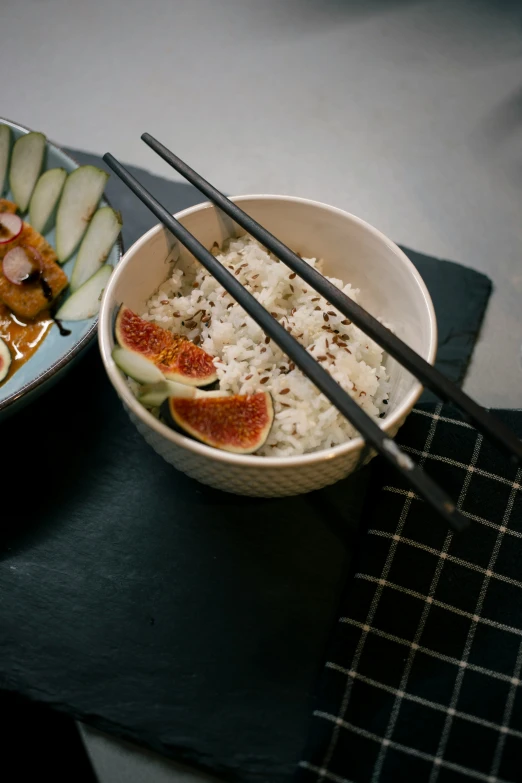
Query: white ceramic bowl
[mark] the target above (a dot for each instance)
(353, 251)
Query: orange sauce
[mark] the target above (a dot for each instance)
(22, 337)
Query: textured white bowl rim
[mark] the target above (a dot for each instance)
(106, 326)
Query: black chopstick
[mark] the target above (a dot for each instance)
(489, 425)
(368, 428)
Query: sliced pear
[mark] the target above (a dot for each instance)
(81, 194)
(137, 367)
(85, 302)
(26, 165)
(48, 190)
(96, 245)
(5, 149)
(5, 360)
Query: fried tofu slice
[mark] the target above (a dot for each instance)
(29, 299)
(7, 206)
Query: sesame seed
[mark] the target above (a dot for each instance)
(267, 339)
(248, 377)
(321, 358)
(325, 317)
(293, 275)
(346, 322)
(284, 391)
(264, 380)
(331, 312)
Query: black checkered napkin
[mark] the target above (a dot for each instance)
(423, 679)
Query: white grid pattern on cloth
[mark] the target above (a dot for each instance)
(456, 464)
(443, 555)
(438, 417)
(503, 728)
(472, 517)
(426, 650)
(471, 633)
(476, 619)
(443, 605)
(409, 751)
(373, 607)
(422, 622)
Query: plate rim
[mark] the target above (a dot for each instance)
(58, 365)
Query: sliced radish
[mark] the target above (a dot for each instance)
(5, 359)
(137, 367)
(85, 302)
(10, 227)
(81, 194)
(45, 198)
(5, 148)
(22, 264)
(26, 164)
(96, 245)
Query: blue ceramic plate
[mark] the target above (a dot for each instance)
(56, 354)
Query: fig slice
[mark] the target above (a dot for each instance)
(239, 423)
(22, 265)
(173, 354)
(10, 227)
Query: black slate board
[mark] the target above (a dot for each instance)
(173, 615)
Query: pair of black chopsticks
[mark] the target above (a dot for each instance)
(366, 426)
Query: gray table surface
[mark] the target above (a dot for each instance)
(406, 113)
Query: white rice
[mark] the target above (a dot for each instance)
(247, 362)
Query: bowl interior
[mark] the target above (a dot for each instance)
(391, 288)
(56, 350)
